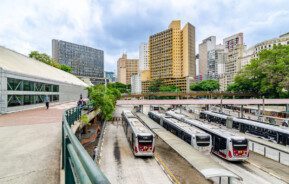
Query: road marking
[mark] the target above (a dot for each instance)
(166, 169)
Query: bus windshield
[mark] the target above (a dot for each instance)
(203, 140)
(145, 140)
(240, 144)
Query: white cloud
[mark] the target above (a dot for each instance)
(116, 26)
(37, 22)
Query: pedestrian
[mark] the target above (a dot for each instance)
(46, 100)
(95, 153)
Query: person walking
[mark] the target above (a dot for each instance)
(46, 100)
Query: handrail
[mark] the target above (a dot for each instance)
(76, 162)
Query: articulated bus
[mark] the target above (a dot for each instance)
(192, 135)
(140, 138)
(277, 134)
(224, 144)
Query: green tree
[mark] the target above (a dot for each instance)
(267, 75)
(205, 85)
(48, 60)
(120, 86)
(155, 85)
(169, 89)
(104, 99)
(66, 68)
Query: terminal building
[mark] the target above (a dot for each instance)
(24, 82)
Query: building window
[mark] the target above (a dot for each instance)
(48, 87)
(14, 100)
(14, 84)
(55, 88)
(23, 85)
(19, 100)
(28, 86)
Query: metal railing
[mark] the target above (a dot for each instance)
(271, 152)
(76, 162)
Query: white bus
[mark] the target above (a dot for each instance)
(224, 144)
(199, 139)
(140, 138)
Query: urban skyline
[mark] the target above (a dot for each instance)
(92, 28)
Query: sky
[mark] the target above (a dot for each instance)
(117, 26)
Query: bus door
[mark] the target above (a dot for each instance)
(217, 144)
(132, 141)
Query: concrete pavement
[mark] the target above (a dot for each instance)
(119, 164)
(30, 143)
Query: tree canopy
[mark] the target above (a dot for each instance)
(265, 76)
(123, 88)
(104, 99)
(48, 60)
(155, 85)
(158, 86)
(205, 85)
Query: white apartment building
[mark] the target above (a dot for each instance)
(136, 84)
(143, 57)
(253, 51)
(233, 48)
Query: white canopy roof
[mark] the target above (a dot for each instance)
(16, 62)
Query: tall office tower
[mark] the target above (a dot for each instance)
(234, 47)
(143, 57)
(207, 45)
(126, 68)
(86, 62)
(172, 56)
(216, 58)
(144, 73)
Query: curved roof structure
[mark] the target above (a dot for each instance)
(18, 63)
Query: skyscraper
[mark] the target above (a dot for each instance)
(234, 47)
(143, 57)
(126, 68)
(84, 61)
(172, 56)
(216, 59)
(205, 47)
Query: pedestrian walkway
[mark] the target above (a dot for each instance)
(30, 144)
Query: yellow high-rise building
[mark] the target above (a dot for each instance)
(172, 56)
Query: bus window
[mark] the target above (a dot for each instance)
(240, 144)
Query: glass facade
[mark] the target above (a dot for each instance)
(24, 85)
(18, 100)
(84, 61)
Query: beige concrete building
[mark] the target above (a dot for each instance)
(126, 68)
(206, 46)
(172, 56)
(234, 47)
(252, 52)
